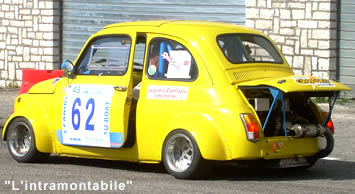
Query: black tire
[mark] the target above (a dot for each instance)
(21, 142)
(312, 161)
(181, 156)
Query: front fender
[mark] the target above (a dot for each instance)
(209, 138)
(40, 124)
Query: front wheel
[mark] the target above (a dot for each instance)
(21, 142)
(182, 157)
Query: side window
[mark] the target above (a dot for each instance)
(139, 54)
(106, 56)
(170, 60)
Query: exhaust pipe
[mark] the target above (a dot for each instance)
(310, 130)
(307, 130)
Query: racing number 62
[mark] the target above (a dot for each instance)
(76, 111)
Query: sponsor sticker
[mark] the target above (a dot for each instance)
(313, 81)
(167, 92)
(276, 147)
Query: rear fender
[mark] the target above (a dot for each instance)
(203, 128)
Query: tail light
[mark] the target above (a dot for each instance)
(251, 126)
(330, 123)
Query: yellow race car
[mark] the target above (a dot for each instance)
(185, 93)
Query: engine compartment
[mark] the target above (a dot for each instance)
(301, 120)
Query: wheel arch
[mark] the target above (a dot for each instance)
(43, 138)
(204, 130)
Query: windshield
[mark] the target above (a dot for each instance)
(248, 48)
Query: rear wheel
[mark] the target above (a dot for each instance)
(182, 157)
(21, 142)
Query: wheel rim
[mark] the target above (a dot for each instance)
(179, 153)
(20, 140)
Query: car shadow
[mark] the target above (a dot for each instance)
(323, 169)
(108, 164)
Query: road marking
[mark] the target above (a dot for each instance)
(330, 158)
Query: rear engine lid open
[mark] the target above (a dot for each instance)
(298, 84)
(284, 105)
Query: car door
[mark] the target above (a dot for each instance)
(96, 100)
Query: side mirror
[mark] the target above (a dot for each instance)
(68, 66)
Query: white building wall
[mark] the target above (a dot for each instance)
(305, 31)
(29, 38)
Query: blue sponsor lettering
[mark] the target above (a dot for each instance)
(64, 111)
(107, 116)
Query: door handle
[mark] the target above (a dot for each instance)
(120, 88)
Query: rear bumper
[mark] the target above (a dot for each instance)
(282, 147)
(273, 148)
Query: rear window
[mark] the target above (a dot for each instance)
(248, 48)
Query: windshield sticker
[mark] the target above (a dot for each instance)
(167, 92)
(313, 81)
(152, 69)
(179, 64)
(86, 115)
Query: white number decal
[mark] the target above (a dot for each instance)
(76, 112)
(86, 113)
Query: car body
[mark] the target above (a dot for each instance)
(181, 92)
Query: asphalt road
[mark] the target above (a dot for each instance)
(336, 174)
